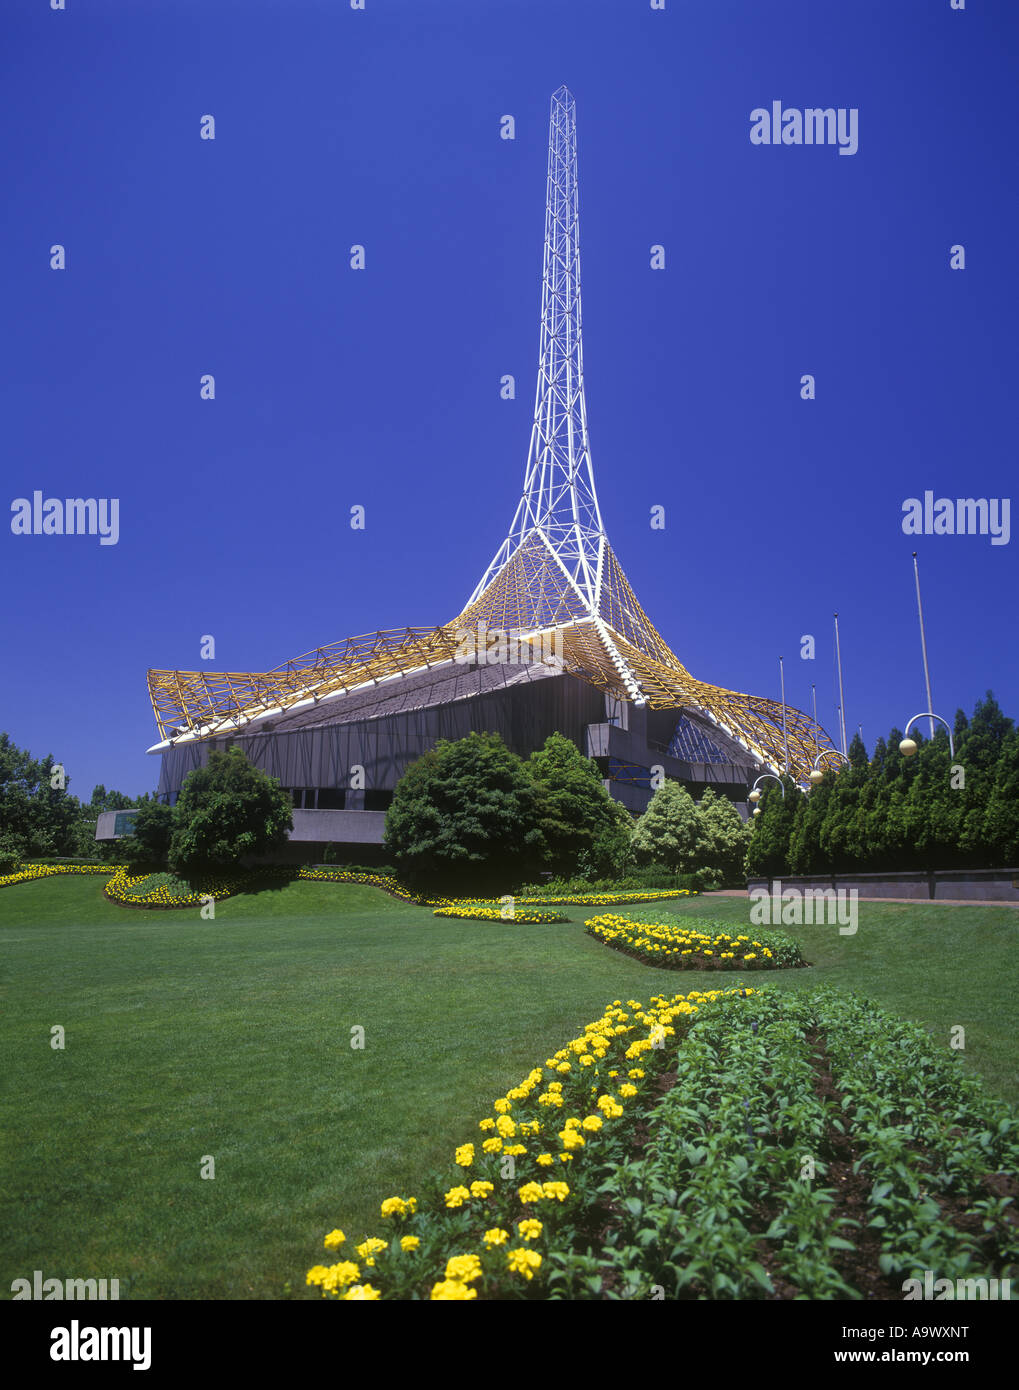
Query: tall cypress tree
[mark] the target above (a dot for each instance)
(772, 831)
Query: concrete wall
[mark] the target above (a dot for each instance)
(944, 885)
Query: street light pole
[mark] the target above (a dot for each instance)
(923, 641)
(842, 698)
(785, 736)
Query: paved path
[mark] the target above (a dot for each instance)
(933, 902)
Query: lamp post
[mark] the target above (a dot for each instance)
(842, 698)
(908, 745)
(785, 734)
(816, 774)
(755, 794)
(923, 647)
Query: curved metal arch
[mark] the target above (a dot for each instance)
(929, 714)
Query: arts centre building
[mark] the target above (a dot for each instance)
(551, 640)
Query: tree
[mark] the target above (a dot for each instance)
(1001, 818)
(669, 832)
(609, 855)
(150, 839)
(226, 811)
(773, 830)
(464, 818)
(574, 809)
(36, 818)
(725, 836)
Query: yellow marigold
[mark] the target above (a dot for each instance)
(451, 1290)
(409, 1242)
(481, 1189)
(523, 1262)
(531, 1192)
(369, 1246)
(398, 1206)
(571, 1139)
(486, 1123)
(593, 1122)
(339, 1276)
(530, 1229)
(456, 1196)
(558, 1190)
(627, 1090)
(515, 1149)
(544, 1160)
(505, 1126)
(334, 1239)
(501, 1107)
(316, 1274)
(496, 1236)
(563, 1067)
(361, 1293)
(465, 1155)
(492, 1146)
(464, 1268)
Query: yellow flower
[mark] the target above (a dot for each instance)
(456, 1196)
(515, 1150)
(463, 1268)
(506, 1127)
(339, 1276)
(334, 1239)
(523, 1262)
(370, 1246)
(492, 1146)
(451, 1290)
(465, 1155)
(496, 1236)
(627, 1090)
(558, 1190)
(361, 1293)
(593, 1122)
(531, 1192)
(409, 1242)
(544, 1160)
(501, 1107)
(481, 1189)
(316, 1274)
(530, 1229)
(398, 1206)
(486, 1123)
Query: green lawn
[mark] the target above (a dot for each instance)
(232, 1039)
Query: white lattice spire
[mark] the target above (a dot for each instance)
(559, 504)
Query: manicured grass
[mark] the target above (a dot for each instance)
(232, 1038)
(936, 963)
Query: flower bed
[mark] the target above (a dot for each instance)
(706, 946)
(167, 892)
(467, 909)
(485, 1226)
(648, 895)
(383, 881)
(26, 873)
(813, 1146)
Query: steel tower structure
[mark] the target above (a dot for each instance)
(554, 573)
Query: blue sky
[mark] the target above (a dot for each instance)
(381, 387)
